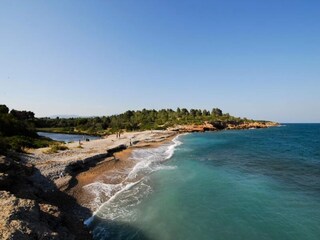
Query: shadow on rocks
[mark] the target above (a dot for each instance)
(35, 203)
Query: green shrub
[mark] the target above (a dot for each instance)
(3, 146)
(18, 143)
(54, 148)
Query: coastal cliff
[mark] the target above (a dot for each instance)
(219, 125)
(37, 202)
(28, 210)
(39, 196)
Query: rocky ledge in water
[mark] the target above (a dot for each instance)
(219, 125)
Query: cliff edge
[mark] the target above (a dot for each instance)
(222, 125)
(28, 211)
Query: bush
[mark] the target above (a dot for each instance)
(18, 143)
(56, 148)
(3, 146)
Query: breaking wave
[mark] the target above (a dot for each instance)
(118, 201)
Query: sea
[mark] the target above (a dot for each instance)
(63, 137)
(234, 184)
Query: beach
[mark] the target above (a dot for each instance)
(249, 184)
(193, 185)
(87, 168)
(107, 160)
(112, 172)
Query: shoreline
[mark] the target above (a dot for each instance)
(114, 172)
(109, 172)
(105, 160)
(81, 165)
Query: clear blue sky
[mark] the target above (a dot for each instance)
(259, 59)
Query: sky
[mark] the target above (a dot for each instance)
(252, 58)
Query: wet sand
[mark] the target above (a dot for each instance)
(105, 160)
(109, 171)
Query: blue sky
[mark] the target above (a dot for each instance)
(258, 59)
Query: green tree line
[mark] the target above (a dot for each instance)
(135, 120)
(17, 130)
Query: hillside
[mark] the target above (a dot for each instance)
(142, 120)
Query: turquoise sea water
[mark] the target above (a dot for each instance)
(250, 184)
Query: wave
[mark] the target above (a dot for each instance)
(149, 160)
(114, 201)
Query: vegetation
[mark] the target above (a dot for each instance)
(18, 128)
(17, 131)
(56, 147)
(133, 121)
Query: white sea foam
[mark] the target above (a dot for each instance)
(101, 192)
(114, 201)
(172, 147)
(122, 204)
(149, 160)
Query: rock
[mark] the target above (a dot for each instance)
(29, 211)
(5, 163)
(219, 125)
(5, 180)
(193, 128)
(23, 219)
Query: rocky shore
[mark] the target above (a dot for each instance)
(62, 166)
(30, 211)
(36, 189)
(216, 126)
(41, 194)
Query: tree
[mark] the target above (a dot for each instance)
(22, 115)
(216, 112)
(205, 112)
(193, 112)
(199, 112)
(184, 111)
(133, 120)
(4, 109)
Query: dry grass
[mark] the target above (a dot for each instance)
(56, 148)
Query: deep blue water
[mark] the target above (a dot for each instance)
(250, 184)
(66, 137)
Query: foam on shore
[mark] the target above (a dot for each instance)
(114, 201)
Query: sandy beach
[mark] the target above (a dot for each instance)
(80, 169)
(105, 160)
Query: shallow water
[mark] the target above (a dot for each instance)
(250, 184)
(67, 137)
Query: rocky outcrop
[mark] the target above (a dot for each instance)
(251, 125)
(84, 164)
(27, 219)
(193, 128)
(32, 208)
(219, 125)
